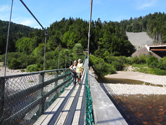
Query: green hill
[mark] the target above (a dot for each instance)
(17, 31)
(108, 39)
(27, 44)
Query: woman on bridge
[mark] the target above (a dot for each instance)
(79, 71)
(73, 71)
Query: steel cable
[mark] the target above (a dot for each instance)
(43, 27)
(8, 37)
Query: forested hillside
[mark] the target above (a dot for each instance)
(109, 45)
(67, 32)
(105, 36)
(16, 32)
(153, 24)
(27, 44)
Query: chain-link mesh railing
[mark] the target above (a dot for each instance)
(89, 107)
(23, 98)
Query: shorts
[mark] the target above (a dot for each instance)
(78, 75)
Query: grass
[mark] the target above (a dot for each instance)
(22, 70)
(145, 69)
(31, 81)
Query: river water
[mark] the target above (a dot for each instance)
(139, 109)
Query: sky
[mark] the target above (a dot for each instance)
(49, 11)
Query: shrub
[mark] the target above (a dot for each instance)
(117, 65)
(153, 64)
(40, 60)
(162, 64)
(159, 72)
(100, 66)
(14, 64)
(128, 61)
(151, 59)
(31, 60)
(142, 58)
(116, 53)
(112, 71)
(18, 60)
(121, 59)
(135, 60)
(51, 64)
(49, 55)
(22, 70)
(110, 59)
(2, 58)
(32, 68)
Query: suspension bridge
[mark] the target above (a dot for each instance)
(49, 97)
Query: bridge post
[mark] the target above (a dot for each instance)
(40, 93)
(64, 73)
(56, 83)
(56, 76)
(2, 91)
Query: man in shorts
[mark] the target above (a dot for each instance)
(79, 71)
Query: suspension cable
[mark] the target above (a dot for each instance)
(65, 61)
(46, 33)
(8, 37)
(42, 26)
(58, 57)
(89, 32)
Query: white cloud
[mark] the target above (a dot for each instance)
(4, 12)
(28, 22)
(4, 8)
(143, 4)
(38, 27)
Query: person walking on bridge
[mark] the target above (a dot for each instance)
(79, 71)
(73, 71)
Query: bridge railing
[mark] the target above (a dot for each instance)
(24, 97)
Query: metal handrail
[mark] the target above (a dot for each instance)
(23, 111)
(34, 88)
(33, 73)
(16, 97)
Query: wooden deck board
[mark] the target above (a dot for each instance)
(49, 117)
(55, 104)
(77, 112)
(76, 118)
(78, 108)
(64, 113)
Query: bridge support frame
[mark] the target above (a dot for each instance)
(40, 93)
(2, 92)
(56, 83)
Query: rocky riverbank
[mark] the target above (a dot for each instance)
(10, 71)
(137, 89)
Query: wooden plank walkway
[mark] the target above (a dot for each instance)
(68, 108)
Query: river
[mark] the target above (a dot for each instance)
(137, 109)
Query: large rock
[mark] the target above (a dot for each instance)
(144, 51)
